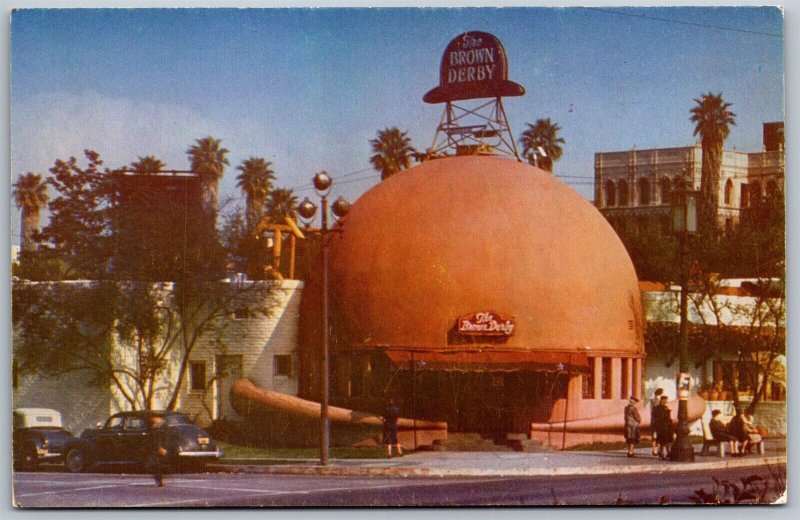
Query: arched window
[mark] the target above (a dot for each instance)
(728, 192)
(644, 192)
(624, 199)
(666, 190)
(611, 194)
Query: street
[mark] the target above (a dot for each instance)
(57, 489)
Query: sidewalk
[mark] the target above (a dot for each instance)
(462, 464)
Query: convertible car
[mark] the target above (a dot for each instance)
(126, 439)
(39, 437)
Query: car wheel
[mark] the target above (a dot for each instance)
(76, 461)
(28, 460)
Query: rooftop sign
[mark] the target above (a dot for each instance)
(474, 65)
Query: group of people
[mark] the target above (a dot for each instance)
(663, 431)
(740, 432)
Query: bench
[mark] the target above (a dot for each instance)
(710, 442)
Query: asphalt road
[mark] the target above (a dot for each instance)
(62, 490)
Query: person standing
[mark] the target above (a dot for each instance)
(662, 426)
(390, 417)
(632, 422)
(655, 401)
(158, 447)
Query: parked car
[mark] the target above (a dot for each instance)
(39, 437)
(126, 439)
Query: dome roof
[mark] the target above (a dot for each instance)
(462, 235)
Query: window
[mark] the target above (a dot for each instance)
(611, 194)
(744, 196)
(624, 199)
(587, 382)
(624, 391)
(197, 375)
(135, 423)
(728, 192)
(282, 365)
(115, 423)
(241, 313)
(644, 192)
(666, 189)
(755, 193)
(743, 375)
(606, 378)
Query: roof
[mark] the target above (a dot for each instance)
(471, 234)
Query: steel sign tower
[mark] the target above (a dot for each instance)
(474, 66)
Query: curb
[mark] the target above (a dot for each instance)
(428, 471)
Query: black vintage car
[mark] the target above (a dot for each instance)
(39, 437)
(126, 439)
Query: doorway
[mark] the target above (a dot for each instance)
(229, 370)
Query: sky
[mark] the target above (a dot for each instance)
(308, 88)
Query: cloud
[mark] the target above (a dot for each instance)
(58, 125)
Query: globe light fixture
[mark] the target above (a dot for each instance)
(322, 182)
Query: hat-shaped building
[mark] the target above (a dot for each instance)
(483, 292)
(479, 290)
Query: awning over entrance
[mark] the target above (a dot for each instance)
(490, 361)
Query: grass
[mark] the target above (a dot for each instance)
(236, 451)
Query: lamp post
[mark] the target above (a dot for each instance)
(684, 224)
(307, 209)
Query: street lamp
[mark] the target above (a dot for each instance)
(307, 209)
(684, 224)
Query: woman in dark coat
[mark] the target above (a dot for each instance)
(662, 425)
(632, 421)
(390, 417)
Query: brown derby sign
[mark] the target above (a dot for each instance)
(474, 65)
(485, 323)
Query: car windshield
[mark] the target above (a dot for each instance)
(178, 420)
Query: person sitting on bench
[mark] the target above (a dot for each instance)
(719, 432)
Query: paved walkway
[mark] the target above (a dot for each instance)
(447, 464)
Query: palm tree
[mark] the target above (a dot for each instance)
(255, 181)
(208, 159)
(30, 195)
(712, 122)
(393, 152)
(281, 203)
(542, 134)
(147, 165)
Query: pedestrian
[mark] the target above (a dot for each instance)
(390, 417)
(158, 447)
(662, 426)
(632, 421)
(655, 401)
